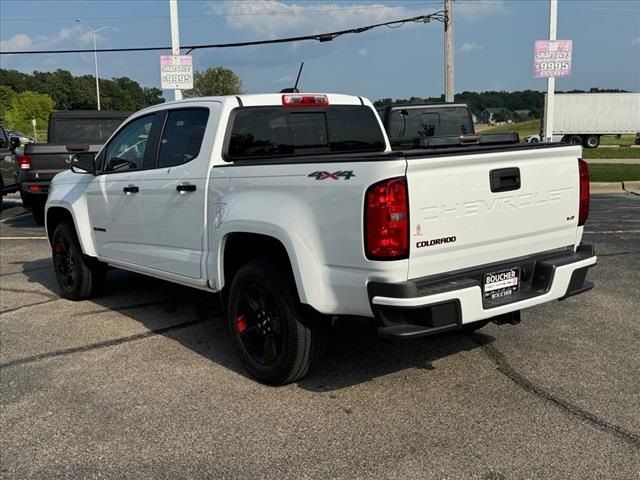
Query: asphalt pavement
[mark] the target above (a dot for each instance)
(143, 383)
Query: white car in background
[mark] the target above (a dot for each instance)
(21, 136)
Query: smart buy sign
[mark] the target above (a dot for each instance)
(552, 58)
(176, 72)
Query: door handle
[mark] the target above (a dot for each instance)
(130, 189)
(186, 187)
(505, 179)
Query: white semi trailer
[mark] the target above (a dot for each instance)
(582, 118)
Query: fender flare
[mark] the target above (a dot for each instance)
(80, 216)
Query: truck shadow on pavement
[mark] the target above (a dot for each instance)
(355, 354)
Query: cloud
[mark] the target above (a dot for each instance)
(472, 10)
(363, 52)
(273, 18)
(635, 41)
(76, 35)
(469, 47)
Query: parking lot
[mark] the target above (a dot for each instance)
(143, 383)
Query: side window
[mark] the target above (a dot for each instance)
(182, 136)
(127, 149)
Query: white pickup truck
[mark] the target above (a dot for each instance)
(296, 210)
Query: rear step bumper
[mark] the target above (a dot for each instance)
(428, 306)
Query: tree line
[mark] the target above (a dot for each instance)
(531, 100)
(24, 96)
(28, 96)
(70, 92)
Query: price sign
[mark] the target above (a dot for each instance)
(552, 58)
(176, 72)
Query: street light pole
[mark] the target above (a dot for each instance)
(549, 106)
(175, 37)
(95, 56)
(448, 52)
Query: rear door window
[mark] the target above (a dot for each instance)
(262, 132)
(182, 136)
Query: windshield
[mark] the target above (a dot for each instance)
(259, 132)
(84, 130)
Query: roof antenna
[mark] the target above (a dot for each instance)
(295, 87)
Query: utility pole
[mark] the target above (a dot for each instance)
(175, 37)
(95, 56)
(551, 81)
(448, 51)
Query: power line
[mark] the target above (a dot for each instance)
(439, 16)
(241, 14)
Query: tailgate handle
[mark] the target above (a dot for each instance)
(505, 179)
(75, 147)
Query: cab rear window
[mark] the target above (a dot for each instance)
(263, 132)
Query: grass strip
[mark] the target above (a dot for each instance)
(614, 172)
(621, 152)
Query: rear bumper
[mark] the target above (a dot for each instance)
(36, 188)
(432, 305)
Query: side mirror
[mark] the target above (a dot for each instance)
(14, 143)
(83, 163)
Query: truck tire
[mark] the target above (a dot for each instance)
(573, 139)
(591, 141)
(79, 277)
(26, 199)
(275, 343)
(37, 210)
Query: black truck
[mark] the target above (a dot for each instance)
(69, 132)
(422, 125)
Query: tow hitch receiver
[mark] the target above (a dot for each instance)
(513, 318)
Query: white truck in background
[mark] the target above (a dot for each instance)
(582, 118)
(295, 209)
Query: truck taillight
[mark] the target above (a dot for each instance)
(25, 162)
(583, 214)
(386, 220)
(304, 100)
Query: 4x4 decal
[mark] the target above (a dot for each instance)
(346, 174)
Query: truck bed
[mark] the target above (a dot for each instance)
(47, 159)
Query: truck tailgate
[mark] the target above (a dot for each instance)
(48, 159)
(461, 218)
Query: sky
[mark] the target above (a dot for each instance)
(493, 42)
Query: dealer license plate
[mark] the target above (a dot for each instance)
(501, 283)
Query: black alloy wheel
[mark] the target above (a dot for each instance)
(258, 322)
(79, 276)
(64, 263)
(277, 343)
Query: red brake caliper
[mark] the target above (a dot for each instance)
(241, 323)
(58, 248)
